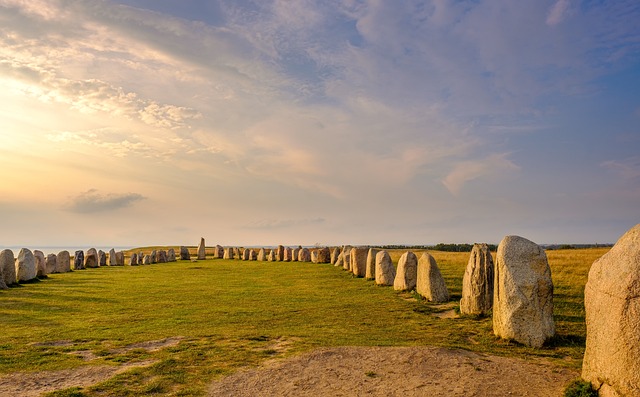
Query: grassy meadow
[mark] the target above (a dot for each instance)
(229, 314)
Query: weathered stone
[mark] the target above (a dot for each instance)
(272, 256)
(252, 255)
(133, 259)
(429, 281)
(335, 253)
(202, 254)
(295, 253)
(314, 256)
(171, 255)
(63, 264)
(385, 271)
(262, 255)
(102, 258)
(41, 265)
(324, 255)
(161, 256)
(612, 303)
(51, 263)
(184, 254)
(523, 293)
(280, 253)
(340, 260)
(91, 259)
(287, 252)
(245, 254)
(304, 255)
(218, 252)
(346, 257)
(477, 283)
(78, 260)
(237, 253)
(371, 264)
(112, 257)
(146, 260)
(154, 256)
(119, 258)
(26, 265)
(228, 253)
(359, 261)
(8, 265)
(407, 272)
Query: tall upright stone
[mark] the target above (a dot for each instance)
(314, 256)
(335, 253)
(429, 282)
(63, 264)
(112, 257)
(280, 253)
(385, 271)
(161, 256)
(146, 260)
(91, 259)
(26, 265)
(287, 254)
(523, 293)
(218, 253)
(102, 258)
(8, 264)
(262, 255)
(202, 254)
(171, 255)
(153, 255)
(612, 303)
(252, 255)
(295, 253)
(340, 260)
(245, 254)
(304, 255)
(371, 264)
(119, 258)
(78, 260)
(272, 256)
(346, 257)
(228, 253)
(407, 272)
(133, 259)
(184, 254)
(359, 261)
(477, 283)
(50, 263)
(41, 264)
(324, 255)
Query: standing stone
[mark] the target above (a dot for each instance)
(272, 256)
(252, 255)
(335, 253)
(63, 264)
(78, 260)
(41, 264)
(359, 261)
(8, 264)
(133, 260)
(523, 294)
(146, 260)
(102, 258)
(346, 257)
(154, 256)
(26, 265)
(219, 252)
(477, 283)
(612, 303)
(91, 259)
(340, 260)
(304, 255)
(119, 258)
(184, 254)
(295, 253)
(262, 255)
(51, 263)
(314, 256)
(228, 253)
(371, 264)
(324, 255)
(288, 253)
(280, 253)
(429, 281)
(245, 254)
(385, 271)
(161, 256)
(202, 254)
(112, 257)
(407, 272)
(171, 255)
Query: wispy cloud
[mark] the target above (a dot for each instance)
(628, 168)
(558, 12)
(92, 201)
(467, 171)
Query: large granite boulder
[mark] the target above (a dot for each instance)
(612, 303)
(50, 263)
(63, 265)
(161, 256)
(477, 283)
(429, 282)
(385, 271)
(26, 266)
(171, 255)
(359, 261)
(523, 293)
(133, 259)
(41, 264)
(8, 265)
(407, 272)
(228, 253)
(112, 257)
(202, 254)
(304, 255)
(102, 258)
(346, 257)
(370, 274)
(184, 254)
(78, 260)
(324, 255)
(91, 259)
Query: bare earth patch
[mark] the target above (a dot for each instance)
(397, 371)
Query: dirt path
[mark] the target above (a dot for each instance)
(397, 371)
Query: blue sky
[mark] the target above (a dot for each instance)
(301, 122)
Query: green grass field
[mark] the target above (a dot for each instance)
(232, 314)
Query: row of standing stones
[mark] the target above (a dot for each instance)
(517, 289)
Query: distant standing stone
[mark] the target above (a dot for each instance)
(133, 260)
(252, 255)
(280, 253)
(120, 258)
(407, 272)
(359, 261)
(63, 265)
(218, 252)
(477, 283)
(385, 271)
(161, 256)
(91, 259)
(262, 255)
(335, 253)
(78, 260)
(429, 282)
(202, 254)
(154, 256)
(288, 252)
(523, 295)
(245, 254)
(314, 256)
(612, 303)
(346, 257)
(371, 264)
(146, 260)
(171, 255)
(324, 255)
(340, 260)
(272, 256)
(295, 253)
(102, 258)
(8, 264)
(26, 265)
(41, 264)
(112, 257)
(304, 255)
(51, 263)
(184, 254)
(228, 253)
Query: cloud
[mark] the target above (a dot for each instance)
(92, 201)
(628, 168)
(558, 12)
(282, 223)
(467, 171)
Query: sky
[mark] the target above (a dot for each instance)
(262, 122)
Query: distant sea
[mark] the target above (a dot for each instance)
(56, 250)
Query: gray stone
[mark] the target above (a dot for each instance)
(184, 254)
(78, 260)
(304, 255)
(252, 255)
(523, 293)
(171, 255)
(91, 259)
(280, 253)
(288, 253)
(237, 253)
(112, 257)
(102, 258)
(272, 256)
(51, 263)
(407, 272)
(218, 252)
(295, 253)
(154, 256)
(41, 264)
(146, 260)
(429, 281)
(346, 257)
(202, 253)
(477, 283)
(133, 259)
(314, 256)
(324, 255)
(262, 255)
(161, 256)
(245, 254)
(119, 258)
(8, 265)
(228, 253)
(385, 271)
(26, 266)
(63, 264)
(359, 261)
(612, 303)
(371, 264)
